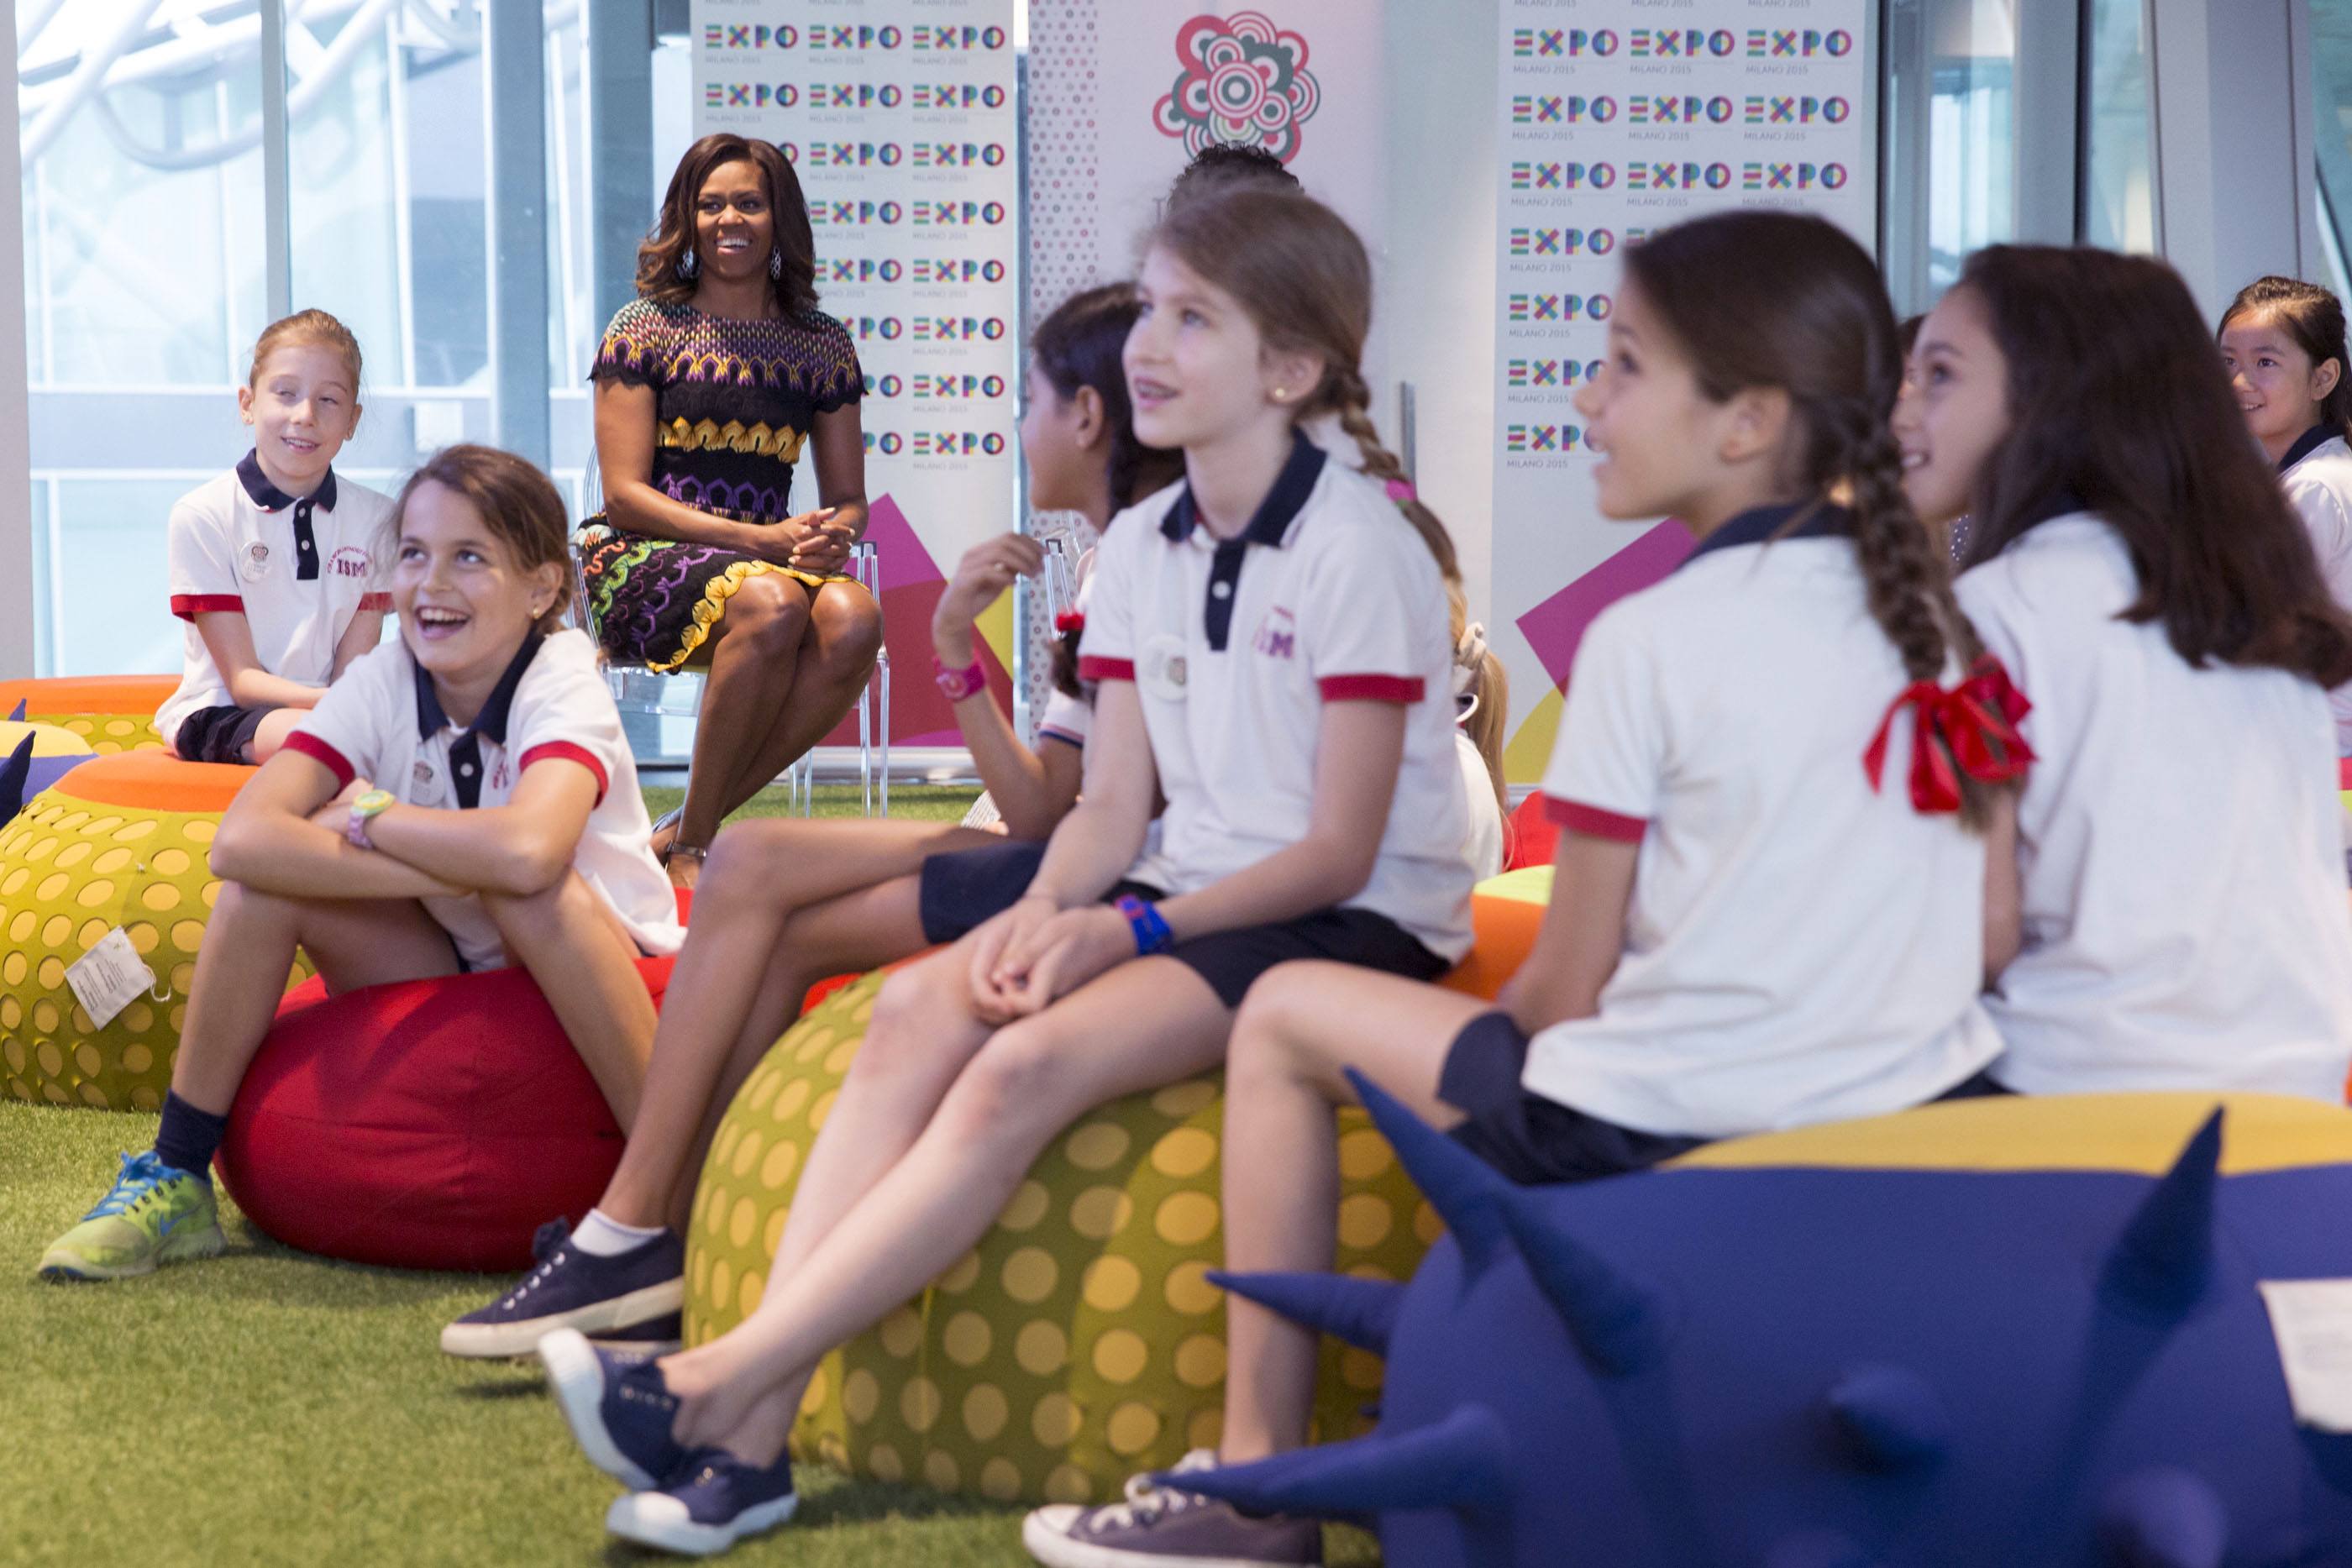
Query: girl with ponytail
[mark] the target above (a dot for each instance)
(1778, 776)
(1269, 643)
(2180, 848)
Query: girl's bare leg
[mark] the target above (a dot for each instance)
(1299, 1027)
(1146, 1023)
(247, 952)
(585, 964)
(784, 903)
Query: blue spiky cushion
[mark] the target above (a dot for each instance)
(1986, 1333)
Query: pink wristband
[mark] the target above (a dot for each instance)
(958, 685)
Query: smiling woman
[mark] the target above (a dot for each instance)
(709, 387)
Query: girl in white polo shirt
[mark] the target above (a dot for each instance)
(1270, 640)
(1746, 930)
(273, 564)
(2185, 919)
(2283, 346)
(463, 799)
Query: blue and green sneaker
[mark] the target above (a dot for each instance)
(153, 1214)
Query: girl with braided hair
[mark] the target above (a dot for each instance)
(1746, 932)
(2180, 848)
(1269, 646)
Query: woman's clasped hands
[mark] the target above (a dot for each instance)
(1037, 952)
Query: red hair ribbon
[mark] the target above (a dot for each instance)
(1971, 729)
(1070, 620)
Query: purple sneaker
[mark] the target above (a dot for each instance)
(1159, 1525)
(711, 1500)
(621, 1298)
(618, 1406)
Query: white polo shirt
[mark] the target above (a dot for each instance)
(1328, 596)
(1799, 947)
(382, 722)
(298, 570)
(2185, 918)
(2317, 477)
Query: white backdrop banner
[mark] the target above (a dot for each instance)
(1612, 125)
(1124, 92)
(900, 118)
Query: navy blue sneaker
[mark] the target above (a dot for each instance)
(618, 1405)
(605, 1298)
(711, 1500)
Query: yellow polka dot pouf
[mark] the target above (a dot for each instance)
(112, 713)
(1080, 1342)
(121, 841)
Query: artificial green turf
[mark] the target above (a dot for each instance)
(271, 1406)
(926, 802)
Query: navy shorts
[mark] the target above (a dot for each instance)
(1231, 961)
(218, 734)
(1536, 1140)
(963, 888)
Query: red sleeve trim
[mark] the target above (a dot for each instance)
(1094, 669)
(565, 749)
(1578, 818)
(188, 606)
(381, 601)
(1372, 688)
(326, 755)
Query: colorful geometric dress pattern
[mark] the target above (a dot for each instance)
(734, 401)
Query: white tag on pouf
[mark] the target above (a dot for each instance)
(2312, 1321)
(109, 977)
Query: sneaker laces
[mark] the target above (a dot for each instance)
(546, 1250)
(1147, 1502)
(140, 1174)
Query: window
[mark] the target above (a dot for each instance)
(2119, 198)
(1952, 68)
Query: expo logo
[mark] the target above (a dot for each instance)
(1798, 111)
(862, 269)
(1792, 176)
(962, 386)
(1562, 43)
(1541, 437)
(937, 443)
(746, 36)
(1668, 109)
(851, 215)
(1681, 43)
(948, 269)
(852, 95)
(959, 38)
(889, 269)
(849, 154)
(968, 95)
(1560, 307)
(959, 328)
(1526, 374)
(1562, 242)
(1562, 176)
(890, 329)
(957, 214)
(750, 95)
(1677, 177)
(951, 155)
(1561, 109)
(1778, 43)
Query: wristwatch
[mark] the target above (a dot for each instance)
(364, 810)
(958, 685)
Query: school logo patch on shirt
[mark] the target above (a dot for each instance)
(256, 563)
(1160, 671)
(424, 784)
(350, 561)
(1277, 635)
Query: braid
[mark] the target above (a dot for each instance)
(1908, 583)
(1345, 392)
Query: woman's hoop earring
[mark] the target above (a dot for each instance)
(775, 263)
(687, 266)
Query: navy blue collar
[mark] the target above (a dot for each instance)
(492, 720)
(1759, 524)
(269, 498)
(1275, 515)
(2309, 442)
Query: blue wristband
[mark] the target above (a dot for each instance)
(1152, 932)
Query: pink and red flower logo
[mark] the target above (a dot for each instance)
(1245, 81)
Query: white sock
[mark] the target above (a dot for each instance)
(602, 1236)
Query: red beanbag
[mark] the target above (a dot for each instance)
(427, 1125)
(1533, 836)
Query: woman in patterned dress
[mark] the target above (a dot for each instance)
(709, 387)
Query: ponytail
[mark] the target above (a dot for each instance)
(1480, 677)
